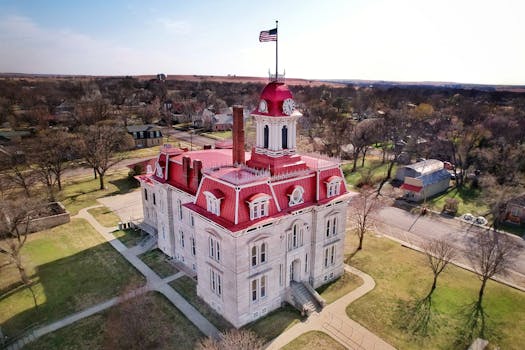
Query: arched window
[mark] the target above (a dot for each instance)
(284, 134)
(254, 290)
(266, 136)
(263, 253)
(254, 255)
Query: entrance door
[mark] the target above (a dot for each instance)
(295, 271)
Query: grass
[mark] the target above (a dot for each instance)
(156, 260)
(373, 166)
(72, 268)
(141, 152)
(313, 340)
(129, 237)
(83, 192)
(402, 276)
(340, 287)
(104, 216)
(218, 135)
(469, 201)
(90, 332)
(271, 326)
(187, 287)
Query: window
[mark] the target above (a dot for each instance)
(193, 245)
(306, 263)
(254, 290)
(515, 211)
(333, 186)
(280, 274)
(263, 287)
(259, 288)
(213, 202)
(295, 237)
(214, 249)
(262, 258)
(296, 197)
(284, 134)
(154, 199)
(179, 209)
(254, 255)
(329, 256)
(192, 221)
(266, 136)
(331, 226)
(145, 194)
(259, 204)
(181, 238)
(215, 282)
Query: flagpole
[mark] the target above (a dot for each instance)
(276, 50)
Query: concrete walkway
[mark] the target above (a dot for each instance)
(334, 321)
(154, 283)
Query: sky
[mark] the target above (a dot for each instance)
(463, 41)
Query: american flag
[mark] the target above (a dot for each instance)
(268, 35)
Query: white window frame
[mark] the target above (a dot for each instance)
(181, 238)
(213, 204)
(331, 226)
(253, 256)
(214, 248)
(259, 207)
(333, 188)
(215, 282)
(193, 249)
(296, 237)
(296, 197)
(179, 209)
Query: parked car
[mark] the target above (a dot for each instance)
(468, 217)
(480, 220)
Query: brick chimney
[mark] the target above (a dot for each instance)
(186, 169)
(238, 135)
(197, 172)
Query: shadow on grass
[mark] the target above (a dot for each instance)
(416, 316)
(474, 326)
(124, 185)
(275, 323)
(68, 285)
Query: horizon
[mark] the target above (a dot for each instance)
(473, 42)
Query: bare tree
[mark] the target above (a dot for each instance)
(439, 254)
(19, 172)
(363, 206)
(99, 145)
(15, 218)
(491, 254)
(239, 339)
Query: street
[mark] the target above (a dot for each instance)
(416, 229)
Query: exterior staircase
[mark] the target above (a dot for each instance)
(305, 298)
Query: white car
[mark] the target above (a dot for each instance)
(468, 217)
(480, 220)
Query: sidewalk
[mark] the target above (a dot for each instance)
(154, 283)
(334, 321)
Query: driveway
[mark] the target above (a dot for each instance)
(128, 207)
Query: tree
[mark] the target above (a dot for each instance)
(439, 254)
(99, 145)
(15, 219)
(363, 206)
(18, 170)
(239, 339)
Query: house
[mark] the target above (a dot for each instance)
(258, 228)
(423, 180)
(515, 210)
(147, 135)
(222, 122)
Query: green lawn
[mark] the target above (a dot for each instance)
(276, 322)
(156, 260)
(373, 166)
(402, 276)
(469, 201)
(72, 268)
(218, 135)
(313, 340)
(187, 287)
(177, 331)
(83, 192)
(338, 288)
(104, 216)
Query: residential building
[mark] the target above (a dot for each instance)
(147, 135)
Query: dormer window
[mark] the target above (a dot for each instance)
(213, 201)
(333, 186)
(296, 196)
(259, 205)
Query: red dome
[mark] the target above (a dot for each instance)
(274, 94)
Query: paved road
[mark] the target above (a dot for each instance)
(415, 229)
(196, 140)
